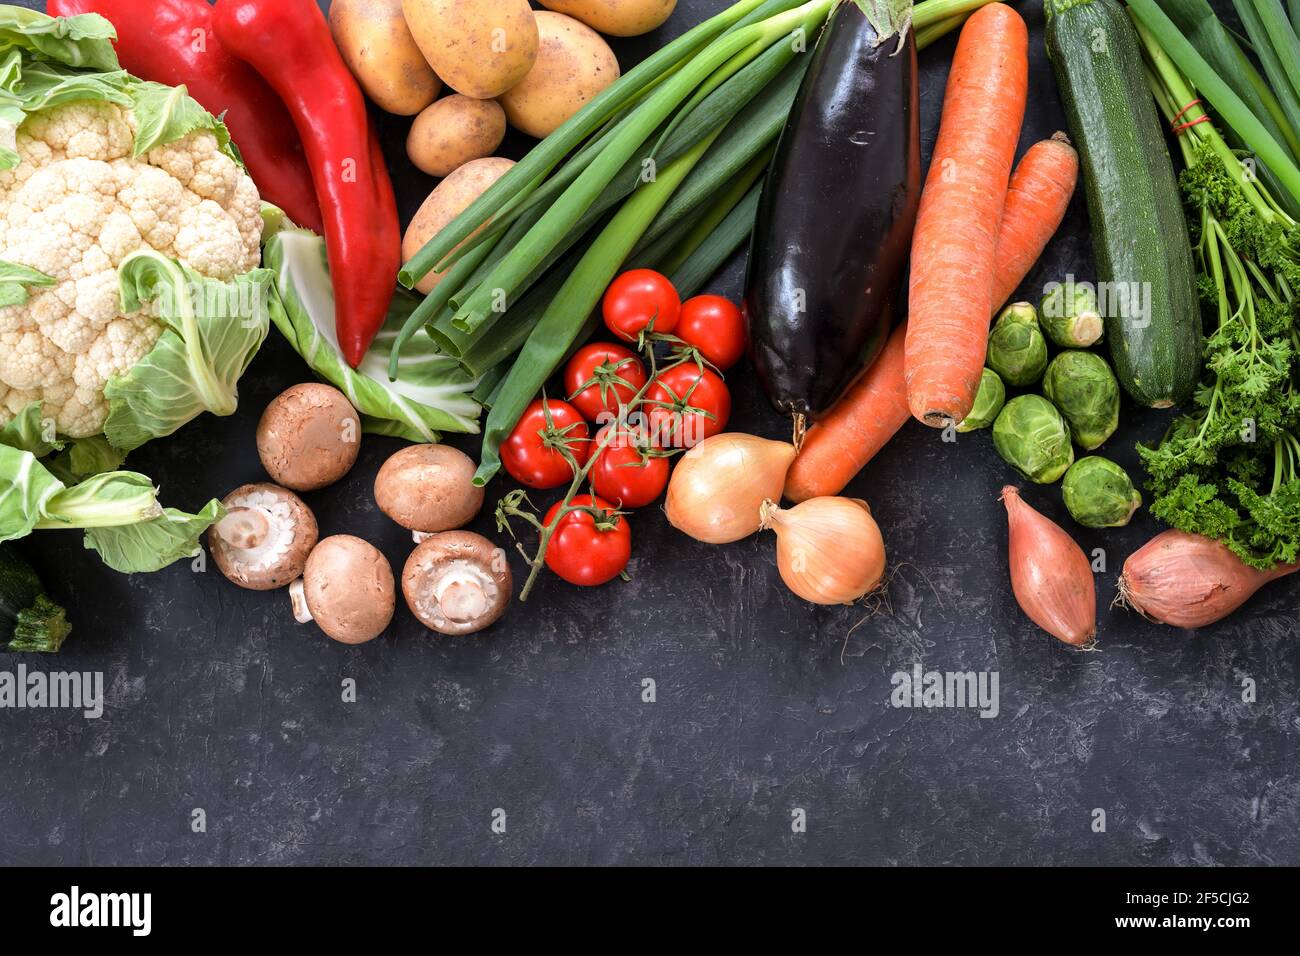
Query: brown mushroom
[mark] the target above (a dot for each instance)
(457, 582)
(347, 589)
(309, 436)
(264, 538)
(428, 488)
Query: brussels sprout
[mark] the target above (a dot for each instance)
(988, 402)
(1017, 349)
(1069, 315)
(1032, 437)
(1099, 494)
(1083, 387)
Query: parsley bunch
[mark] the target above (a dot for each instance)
(1230, 467)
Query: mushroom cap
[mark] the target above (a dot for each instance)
(308, 436)
(348, 585)
(428, 488)
(278, 533)
(457, 582)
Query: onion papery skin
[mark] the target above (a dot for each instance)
(1190, 581)
(718, 486)
(1050, 575)
(829, 550)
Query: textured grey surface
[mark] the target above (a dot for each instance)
(216, 699)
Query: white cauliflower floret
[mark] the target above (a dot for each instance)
(88, 128)
(119, 237)
(209, 242)
(29, 360)
(245, 208)
(154, 201)
(14, 400)
(32, 155)
(125, 341)
(74, 208)
(197, 163)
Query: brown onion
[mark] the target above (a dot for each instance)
(1188, 580)
(718, 486)
(828, 550)
(1050, 574)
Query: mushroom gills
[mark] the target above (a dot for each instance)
(260, 527)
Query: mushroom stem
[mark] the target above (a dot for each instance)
(243, 528)
(298, 599)
(463, 600)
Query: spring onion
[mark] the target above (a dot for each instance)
(1220, 95)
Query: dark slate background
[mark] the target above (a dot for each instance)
(216, 699)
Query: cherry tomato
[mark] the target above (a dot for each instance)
(585, 551)
(531, 453)
(627, 472)
(591, 377)
(714, 326)
(687, 392)
(638, 298)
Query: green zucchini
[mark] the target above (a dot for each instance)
(29, 621)
(1146, 275)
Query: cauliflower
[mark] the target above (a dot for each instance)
(131, 298)
(76, 205)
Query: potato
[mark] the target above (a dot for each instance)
(382, 55)
(617, 18)
(454, 130)
(479, 48)
(573, 65)
(445, 203)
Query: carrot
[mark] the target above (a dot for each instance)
(838, 446)
(862, 421)
(1036, 202)
(955, 242)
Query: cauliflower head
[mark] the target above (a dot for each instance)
(75, 206)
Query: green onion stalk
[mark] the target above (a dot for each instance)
(1222, 50)
(1227, 103)
(1229, 468)
(699, 262)
(1274, 42)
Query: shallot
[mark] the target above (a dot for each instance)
(1050, 574)
(1189, 581)
(828, 550)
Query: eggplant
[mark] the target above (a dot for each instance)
(833, 231)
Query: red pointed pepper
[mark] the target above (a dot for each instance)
(171, 41)
(289, 43)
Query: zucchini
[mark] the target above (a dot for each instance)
(1146, 276)
(29, 621)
